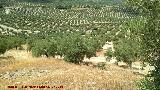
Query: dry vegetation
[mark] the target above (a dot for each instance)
(51, 72)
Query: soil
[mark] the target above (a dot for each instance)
(61, 75)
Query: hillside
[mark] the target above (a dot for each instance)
(54, 72)
(34, 33)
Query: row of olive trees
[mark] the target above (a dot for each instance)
(72, 46)
(8, 42)
(5, 3)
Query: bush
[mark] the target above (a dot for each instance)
(147, 84)
(92, 45)
(124, 52)
(14, 42)
(7, 42)
(128, 46)
(43, 47)
(74, 48)
(1, 6)
(52, 48)
(3, 46)
(101, 65)
(109, 53)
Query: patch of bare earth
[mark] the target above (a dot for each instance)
(51, 72)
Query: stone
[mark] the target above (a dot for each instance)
(122, 64)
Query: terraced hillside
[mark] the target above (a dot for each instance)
(46, 18)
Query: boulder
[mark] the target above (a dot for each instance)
(94, 60)
(137, 65)
(122, 64)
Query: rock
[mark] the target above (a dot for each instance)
(1, 75)
(148, 68)
(137, 65)
(12, 74)
(108, 45)
(41, 71)
(94, 60)
(113, 60)
(139, 72)
(6, 75)
(98, 59)
(122, 64)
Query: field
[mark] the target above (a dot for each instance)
(32, 34)
(53, 72)
(29, 18)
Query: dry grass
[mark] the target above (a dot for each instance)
(71, 76)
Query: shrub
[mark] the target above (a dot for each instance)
(92, 45)
(37, 51)
(74, 48)
(101, 65)
(14, 42)
(109, 53)
(146, 84)
(42, 47)
(128, 45)
(8, 42)
(52, 48)
(3, 46)
(124, 52)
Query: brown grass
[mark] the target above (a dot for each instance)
(71, 76)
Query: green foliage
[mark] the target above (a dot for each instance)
(72, 46)
(63, 7)
(124, 51)
(4, 3)
(147, 84)
(76, 47)
(93, 44)
(150, 37)
(8, 42)
(43, 47)
(101, 65)
(128, 46)
(3, 46)
(14, 42)
(109, 53)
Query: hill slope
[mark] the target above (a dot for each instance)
(52, 72)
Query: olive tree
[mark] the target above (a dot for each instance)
(150, 36)
(3, 46)
(127, 46)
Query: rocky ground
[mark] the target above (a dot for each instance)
(56, 73)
